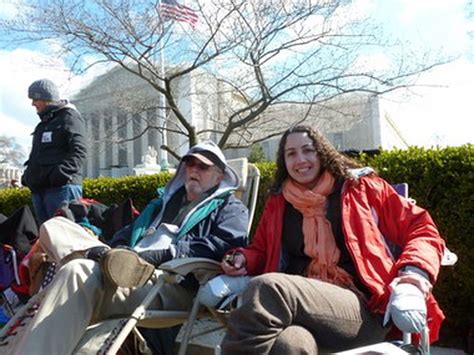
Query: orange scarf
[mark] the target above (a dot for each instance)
(319, 242)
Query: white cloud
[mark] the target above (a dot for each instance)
(361, 8)
(346, 15)
(436, 23)
(411, 10)
(11, 127)
(9, 9)
(439, 111)
(18, 69)
(436, 26)
(375, 62)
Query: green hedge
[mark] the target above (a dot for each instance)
(13, 198)
(141, 189)
(441, 180)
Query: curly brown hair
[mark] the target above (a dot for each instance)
(336, 163)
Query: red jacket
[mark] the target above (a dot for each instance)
(400, 222)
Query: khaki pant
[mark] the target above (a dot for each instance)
(288, 314)
(78, 295)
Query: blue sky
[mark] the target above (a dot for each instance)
(439, 112)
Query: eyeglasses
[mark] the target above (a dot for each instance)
(191, 163)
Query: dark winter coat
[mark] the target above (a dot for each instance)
(59, 149)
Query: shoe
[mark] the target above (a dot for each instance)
(125, 268)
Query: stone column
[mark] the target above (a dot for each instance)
(163, 156)
(144, 136)
(129, 134)
(91, 144)
(102, 142)
(114, 135)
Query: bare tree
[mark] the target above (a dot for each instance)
(287, 56)
(11, 152)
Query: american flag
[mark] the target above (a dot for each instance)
(170, 9)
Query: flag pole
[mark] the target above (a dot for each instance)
(161, 99)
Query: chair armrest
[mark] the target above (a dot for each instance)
(202, 268)
(157, 319)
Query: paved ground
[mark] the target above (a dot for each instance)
(435, 350)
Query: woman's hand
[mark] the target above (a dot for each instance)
(407, 304)
(234, 264)
(420, 282)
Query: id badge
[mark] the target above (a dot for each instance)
(47, 137)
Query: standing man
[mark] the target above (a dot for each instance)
(54, 168)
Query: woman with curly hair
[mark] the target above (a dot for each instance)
(336, 248)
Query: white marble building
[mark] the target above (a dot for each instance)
(119, 106)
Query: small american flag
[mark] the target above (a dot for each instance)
(170, 9)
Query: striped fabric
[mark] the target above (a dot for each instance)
(170, 9)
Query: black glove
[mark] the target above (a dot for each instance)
(156, 257)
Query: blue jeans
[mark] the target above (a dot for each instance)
(46, 201)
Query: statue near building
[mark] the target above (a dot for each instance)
(150, 157)
(149, 164)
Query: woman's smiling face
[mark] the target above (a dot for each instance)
(301, 160)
